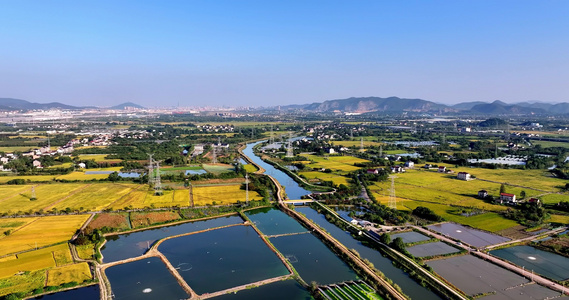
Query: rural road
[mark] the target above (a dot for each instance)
(506, 265)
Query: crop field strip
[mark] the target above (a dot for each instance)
(75, 272)
(42, 232)
(337, 179)
(49, 257)
(32, 178)
(221, 194)
(96, 196)
(47, 195)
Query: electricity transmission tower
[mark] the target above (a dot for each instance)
(361, 144)
(33, 197)
(289, 152)
(392, 200)
(246, 188)
(157, 182)
(213, 155)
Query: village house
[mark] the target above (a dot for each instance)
(397, 169)
(534, 201)
(442, 169)
(482, 194)
(508, 198)
(37, 164)
(372, 171)
(463, 176)
(410, 164)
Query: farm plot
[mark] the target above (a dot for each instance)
(410, 237)
(98, 158)
(527, 291)
(432, 249)
(339, 163)
(337, 179)
(221, 194)
(250, 168)
(467, 235)
(143, 219)
(218, 168)
(46, 195)
(475, 276)
(31, 178)
(42, 232)
(8, 226)
(58, 255)
(96, 196)
(109, 220)
(70, 273)
(26, 281)
(169, 198)
(357, 144)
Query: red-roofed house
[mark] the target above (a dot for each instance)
(508, 198)
(372, 171)
(442, 169)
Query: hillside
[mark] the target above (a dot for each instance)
(375, 104)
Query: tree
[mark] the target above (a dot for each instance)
(398, 244)
(523, 194)
(502, 188)
(385, 238)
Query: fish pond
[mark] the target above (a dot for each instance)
(144, 279)
(280, 290)
(548, 264)
(272, 221)
(432, 249)
(410, 237)
(313, 260)
(223, 258)
(85, 293)
(128, 245)
(473, 237)
(407, 284)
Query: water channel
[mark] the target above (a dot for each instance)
(293, 190)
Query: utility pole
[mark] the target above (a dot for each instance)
(362, 144)
(271, 139)
(33, 197)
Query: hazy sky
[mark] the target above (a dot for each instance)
(209, 52)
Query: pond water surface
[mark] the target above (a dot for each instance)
(144, 279)
(128, 245)
(280, 290)
(223, 258)
(86, 293)
(548, 264)
(272, 221)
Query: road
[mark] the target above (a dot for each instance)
(504, 264)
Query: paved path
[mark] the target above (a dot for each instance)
(533, 237)
(504, 264)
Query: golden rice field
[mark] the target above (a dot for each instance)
(559, 219)
(43, 231)
(85, 251)
(22, 282)
(97, 196)
(537, 179)
(97, 157)
(142, 197)
(71, 273)
(221, 194)
(63, 165)
(339, 163)
(33, 178)
(10, 149)
(46, 196)
(337, 179)
(53, 256)
(250, 168)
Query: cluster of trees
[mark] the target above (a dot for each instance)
(529, 214)
(427, 214)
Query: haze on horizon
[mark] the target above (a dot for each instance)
(266, 53)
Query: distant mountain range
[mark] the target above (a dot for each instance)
(10, 104)
(395, 104)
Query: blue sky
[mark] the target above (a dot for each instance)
(196, 53)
